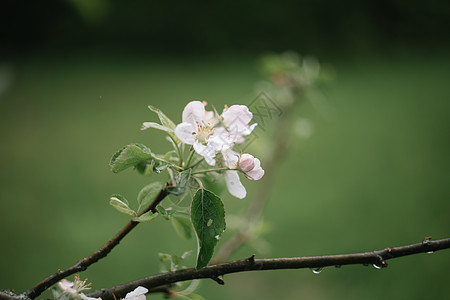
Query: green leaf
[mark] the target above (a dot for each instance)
(166, 213)
(166, 123)
(128, 156)
(148, 216)
(149, 193)
(194, 297)
(175, 260)
(121, 204)
(181, 180)
(207, 206)
(147, 125)
(158, 167)
(182, 226)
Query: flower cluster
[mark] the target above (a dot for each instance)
(212, 135)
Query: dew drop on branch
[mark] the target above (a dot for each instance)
(316, 270)
(376, 266)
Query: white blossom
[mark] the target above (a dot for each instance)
(137, 294)
(196, 129)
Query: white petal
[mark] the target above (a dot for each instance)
(221, 138)
(194, 113)
(237, 116)
(137, 294)
(84, 297)
(185, 132)
(234, 185)
(206, 151)
(248, 129)
(66, 286)
(257, 173)
(230, 158)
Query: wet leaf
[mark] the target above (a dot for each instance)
(207, 206)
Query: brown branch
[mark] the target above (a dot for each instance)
(377, 258)
(84, 263)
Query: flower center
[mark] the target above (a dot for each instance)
(203, 133)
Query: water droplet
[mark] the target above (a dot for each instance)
(376, 266)
(430, 252)
(217, 237)
(317, 270)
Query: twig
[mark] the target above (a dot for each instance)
(377, 258)
(84, 263)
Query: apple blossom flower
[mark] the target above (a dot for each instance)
(235, 120)
(67, 286)
(247, 164)
(196, 129)
(137, 294)
(74, 288)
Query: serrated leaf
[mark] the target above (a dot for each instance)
(128, 156)
(149, 193)
(181, 180)
(207, 206)
(121, 204)
(182, 226)
(148, 216)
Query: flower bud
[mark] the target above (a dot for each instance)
(246, 162)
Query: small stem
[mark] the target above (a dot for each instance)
(209, 170)
(191, 155)
(168, 162)
(180, 156)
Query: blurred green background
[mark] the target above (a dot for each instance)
(75, 81)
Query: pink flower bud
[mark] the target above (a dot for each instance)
(246, 162)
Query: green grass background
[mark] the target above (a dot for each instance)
(374, 176)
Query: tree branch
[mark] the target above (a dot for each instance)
(377, 258)
(84, 263)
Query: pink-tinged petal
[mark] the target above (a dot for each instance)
(194, 113)
(237, 116)
(257, 172)
(186, 133)
(234, 184)
(206, 151)
(246, 162)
